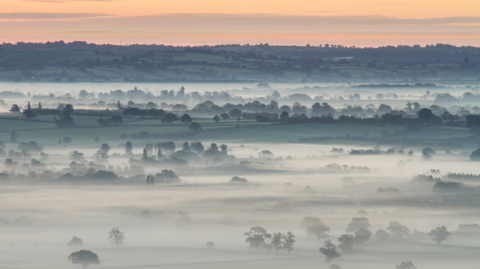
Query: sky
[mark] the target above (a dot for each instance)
(362, 23)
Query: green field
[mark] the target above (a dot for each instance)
(43, 129)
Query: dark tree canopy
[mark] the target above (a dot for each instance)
(84, 258)
(186, 118)
(439, 234)
(195, 126)
(29, 114)
(329, 250)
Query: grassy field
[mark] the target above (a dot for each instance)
(286, 132)
(167, 65)
(43, 129)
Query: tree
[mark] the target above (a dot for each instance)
(329, 250)
(210, 245)
(256, 237)
(186, 118)
(284, 116)
(216, 118)
(67, 140)
(76, 156)
(170, 117)
(15, 108)
(83, 94)
(195, 126)
(75, 242)
(406, 265)
(439, 234)
(381, 235)
(357, 224)
(84, 258)
(13, 136)
(116, 237)
(288, 241)
(197, 147)
(346, 242)
(128, 148)
(105, 148)
(224, 116)
(29, 114)
(398, 230)
(160, 155)
(69, 108)
(223, 148)
(475, 156)
(65, 120)
(276, 242)
(314, 227)
(362, 236)
(29, 106)
(235, 113)
(39, 105)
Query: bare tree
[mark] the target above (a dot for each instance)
(116, 237)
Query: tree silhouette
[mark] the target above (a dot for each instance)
(314, 227)
(406, 265)
(13, 136)
(67, 140)
(84, 258)
(288, 241)
(128, 148)
(276, 241)
(195, 126)
(256, 237)
(75, 242)
(235, 113)
(216, 118)
(210, 245)
(170, 117)
(398, 230)
(357, 224)
(76, 156)
(186, 118)
(116, 237)
(362, 236)
(439, 234)
(330, 252)
(381, 235)
(15, 108)
(224, 116)
(346, 242)
(105, 148)
(29, 114)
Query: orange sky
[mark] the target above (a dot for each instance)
(184, 22)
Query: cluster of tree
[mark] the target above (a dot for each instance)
(110, 121)
(86, 257)
(258, 238)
